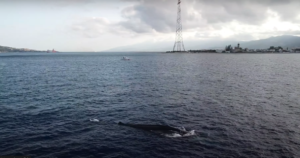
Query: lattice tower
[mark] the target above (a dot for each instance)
(179, 46)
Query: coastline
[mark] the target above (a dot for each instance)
(233, 53)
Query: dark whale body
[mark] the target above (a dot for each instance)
(153, 127)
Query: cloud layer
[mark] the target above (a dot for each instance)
(142, 20)
(205, 18)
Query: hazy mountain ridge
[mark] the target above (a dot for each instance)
(285, 41)
(11, 49)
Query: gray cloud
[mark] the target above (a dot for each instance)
(91, 27)
(225, 11)
(154, 15)
(145, 18)
(160, 15)
(202, 16)
(247, 11)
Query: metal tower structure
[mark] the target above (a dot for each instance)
(178, 46)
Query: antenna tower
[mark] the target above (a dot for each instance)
(179, 46)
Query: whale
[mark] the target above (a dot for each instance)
(164, 128)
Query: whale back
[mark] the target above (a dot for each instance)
(152, 127)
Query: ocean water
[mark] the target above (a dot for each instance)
(69, 104)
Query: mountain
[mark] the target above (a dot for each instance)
(11, 49)
(283, 41)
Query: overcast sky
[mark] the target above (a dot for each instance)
(97, 25)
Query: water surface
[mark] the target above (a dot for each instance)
(241, 105)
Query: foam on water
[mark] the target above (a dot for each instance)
(94, 120)
(173, 135)
(190, 133)
(176, 135)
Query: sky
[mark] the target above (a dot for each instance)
(99, 25)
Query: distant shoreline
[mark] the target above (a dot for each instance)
(233, 53)
(167, 52)
(32, 52)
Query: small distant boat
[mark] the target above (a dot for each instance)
(125, 58)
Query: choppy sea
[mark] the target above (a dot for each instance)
(68, 105)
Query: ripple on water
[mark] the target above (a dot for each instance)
(68, 105)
